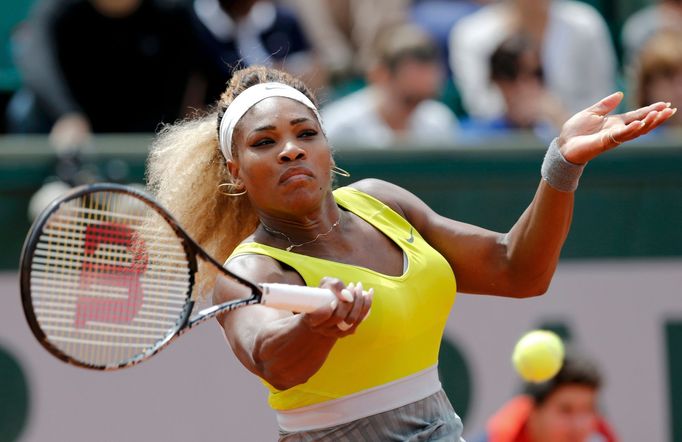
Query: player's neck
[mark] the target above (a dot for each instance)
(304, 228)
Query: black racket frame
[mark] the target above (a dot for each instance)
(191, 248)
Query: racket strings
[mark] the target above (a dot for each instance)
(109, 279)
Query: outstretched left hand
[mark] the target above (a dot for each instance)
(592, 131)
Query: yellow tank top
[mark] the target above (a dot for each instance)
(402, 334)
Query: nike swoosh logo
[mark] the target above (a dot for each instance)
(411, 238)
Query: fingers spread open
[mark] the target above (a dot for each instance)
(660, 118)
(651, 121)
(641, 113)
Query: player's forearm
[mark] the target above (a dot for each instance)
(287, 353)
(534, 243)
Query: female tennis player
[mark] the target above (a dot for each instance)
(258, 175)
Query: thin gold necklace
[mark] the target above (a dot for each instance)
(293, 244)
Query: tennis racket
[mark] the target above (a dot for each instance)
(107, 276)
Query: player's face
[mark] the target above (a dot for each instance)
(283, 157)
(568, 415)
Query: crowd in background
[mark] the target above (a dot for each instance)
(389, 72)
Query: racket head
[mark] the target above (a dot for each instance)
(106, 277)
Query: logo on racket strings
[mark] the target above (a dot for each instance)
(106, 268)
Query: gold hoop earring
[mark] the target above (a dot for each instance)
(340, 172)
(227, 193)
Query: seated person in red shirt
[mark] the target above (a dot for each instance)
(560, 410)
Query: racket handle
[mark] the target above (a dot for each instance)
(295, 298)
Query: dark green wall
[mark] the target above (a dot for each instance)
(629, 203)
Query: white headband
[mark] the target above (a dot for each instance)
(246, 100)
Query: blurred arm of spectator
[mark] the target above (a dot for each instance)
(320, 21)
(369, 19)
(70, 131)
(41, 73)
(344, 32)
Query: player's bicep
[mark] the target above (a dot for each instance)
(241, 326)
(477, 256)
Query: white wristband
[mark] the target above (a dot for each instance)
(561, 174)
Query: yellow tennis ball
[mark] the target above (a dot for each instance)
(538, 355)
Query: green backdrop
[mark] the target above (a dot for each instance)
(629, 203)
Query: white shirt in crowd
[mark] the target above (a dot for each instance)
(578, 58)
(644, 24)
(353, 121)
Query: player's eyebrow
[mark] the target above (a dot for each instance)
(296, 121)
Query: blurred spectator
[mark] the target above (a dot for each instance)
(638, 28)
(516, 70)
(560, 410)
(657, 72)
(102, 66)
(397, 106)
(238, 33)
(12, 14)
(344, 32)
(578, 59)
(437, 17)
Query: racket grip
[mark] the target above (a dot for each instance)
(295, 298)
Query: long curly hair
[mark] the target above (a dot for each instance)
(185, 167)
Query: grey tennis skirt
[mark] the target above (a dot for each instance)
(430, 419)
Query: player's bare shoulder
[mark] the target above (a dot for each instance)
(387, 193)
(397, 198)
